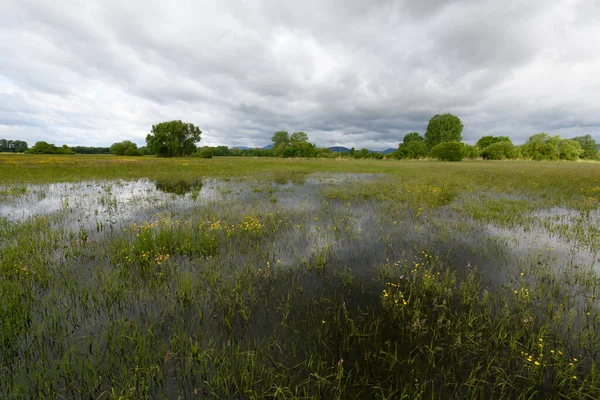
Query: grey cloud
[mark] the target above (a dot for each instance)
(344, 70)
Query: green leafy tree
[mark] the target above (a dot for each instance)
(411, 150)
(499, 151)
(412, 137)
(443, 128)
(281, 140)
(12, 146)
(541, 146)
(42, 147)
(298, 137)
(488, 140)
(470, 152)
(173, 139)
(125, 148)
(589, 146)
(447, 151)
(569, 150)
(205, 152)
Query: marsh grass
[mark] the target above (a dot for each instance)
(399, 280)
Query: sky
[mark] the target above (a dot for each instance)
(354, 73)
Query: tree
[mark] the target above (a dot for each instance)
(125, 148)
(447, 151)
(569, 150)
(412, 137)
(499, 151)
(298, 137)
(541, 146)
(12, 146)
(488, 140)
(281, 139)
(443, 128)
(42, 147)
(173, 139)
(588, 144)
(411, 150)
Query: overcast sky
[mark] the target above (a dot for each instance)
(356, 73)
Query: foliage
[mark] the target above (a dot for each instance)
(447, 151)
(173, 139)
(48, 148)
(125, 148)
(205, 152)
(470, 152)
(569, 150)
(12, 146)
(411, 150)
(499, 151)
(91, 150)
(412, 137)
(488, 140)
(541, 146)
(443, 128)
(589, 146)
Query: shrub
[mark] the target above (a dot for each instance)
(569, 150)
(205, 152)
(412, 149)
(470, 152)
(448, 151)
(499, 151)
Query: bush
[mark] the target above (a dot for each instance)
(470, 152)
(49, 148)
(569, 150)
(448, 151)
(125, 148)
(499, 151)
(541, 146)
(205, 152)
(412, 150)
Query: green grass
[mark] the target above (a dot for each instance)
(270, 278)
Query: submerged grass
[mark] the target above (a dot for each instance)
(402, 280)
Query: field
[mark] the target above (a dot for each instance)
(129, 278)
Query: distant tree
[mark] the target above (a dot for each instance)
(281, 139)
(499, 151)
(411, 150)
(412, 137)
(12, 146)
(488, 140)
(470, 152)
(125, 148)
(205, 152)
(541, 146)
(42, 147)
(443, 128)
(447, 151)
(569, 150)
(220, 151)
(173, 139)
(589, 146)
(298, 137)
(90, 150)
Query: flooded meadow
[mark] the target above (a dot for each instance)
(299, 283)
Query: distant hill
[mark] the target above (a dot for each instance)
(339, 149)
(243, 148)
(268, 147)
(388, 151)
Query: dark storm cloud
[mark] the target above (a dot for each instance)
(347, 72)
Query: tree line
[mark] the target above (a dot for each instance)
(442, 140)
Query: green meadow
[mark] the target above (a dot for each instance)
(253, 278)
